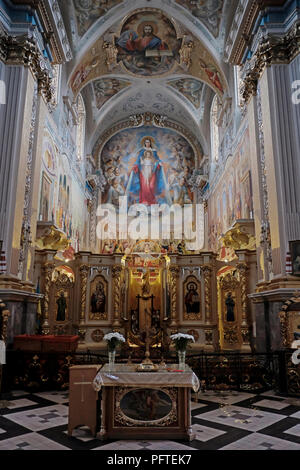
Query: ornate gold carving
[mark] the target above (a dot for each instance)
(3, 43)
(63, 281)
(229, 282)
(238, 239)
(243, 268)
(245, 332)
(285, 327)
(231, 334)
(185, 54)
(48, 268)
(5, 315)
(84, 272)
(49, 237)
(116, 274)
(208, 337)
(111, 52)
(174, 274)
(121, 418)
(207, 270)
(22, 50)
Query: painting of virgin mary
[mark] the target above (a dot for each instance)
(147, 182)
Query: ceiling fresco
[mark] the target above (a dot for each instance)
(106, 88)
(190, 88)
(148, 44)
(209, 12)
(152, 62)
(89, 11)
(158, 60)
(137, 100)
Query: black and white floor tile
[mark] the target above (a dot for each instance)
(221, 421)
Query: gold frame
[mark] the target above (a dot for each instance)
(104, 315)
(192, 316)
(121, 418)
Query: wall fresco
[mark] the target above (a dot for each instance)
(231, 199)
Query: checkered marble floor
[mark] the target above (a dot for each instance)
(221, 421)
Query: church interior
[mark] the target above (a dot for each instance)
(149, 159)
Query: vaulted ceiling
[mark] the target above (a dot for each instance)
(115, 88)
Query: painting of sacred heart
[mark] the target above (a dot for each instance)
(148, 44)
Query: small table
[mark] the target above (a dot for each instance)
(146, 405)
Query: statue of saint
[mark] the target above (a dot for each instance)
(230, 304)
(61, 307)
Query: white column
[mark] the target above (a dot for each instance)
(281, 135)
(11, 132)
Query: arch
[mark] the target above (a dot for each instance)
(106, 22)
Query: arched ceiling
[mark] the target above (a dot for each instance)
(113, 90)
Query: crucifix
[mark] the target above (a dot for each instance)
(147, 359)
(82, 388)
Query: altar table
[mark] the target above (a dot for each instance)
(145, 405)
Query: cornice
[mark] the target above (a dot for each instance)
(241, 33)
(22, 50)
(54, 33)
(271, 50)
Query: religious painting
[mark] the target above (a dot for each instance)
(148, 165)
(232, 197)
(106, 88)
(295, 257)
(89, 11)
(209, 12)
(98, 299)
(148, 44)
(192, 299)
(247, 200)
(45, 198)
(62, 210)
(212, 74)
(79, 232)
(49, 154)
(190, 88)
(146, 405)
(63, 214)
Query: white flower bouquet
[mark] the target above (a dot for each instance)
(181, 340)
(113, 339)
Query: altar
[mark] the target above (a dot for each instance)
(145, 405)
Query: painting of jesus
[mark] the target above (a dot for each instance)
(148, 44)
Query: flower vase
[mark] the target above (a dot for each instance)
(181, 359)
(111, 359)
